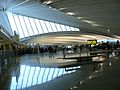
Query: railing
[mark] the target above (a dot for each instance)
(88, 53)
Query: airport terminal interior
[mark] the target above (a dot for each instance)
(59, 44)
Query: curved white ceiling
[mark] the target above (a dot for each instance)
(96, 15)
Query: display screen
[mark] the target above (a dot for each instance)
(92, 42)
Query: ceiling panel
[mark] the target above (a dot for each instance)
(104, 12)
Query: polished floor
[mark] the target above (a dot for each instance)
(48, 72)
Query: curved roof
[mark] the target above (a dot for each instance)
(94, 16)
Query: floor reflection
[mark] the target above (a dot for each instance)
(29, 70)
(6, 67)
(27, 76)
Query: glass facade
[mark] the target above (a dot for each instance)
(27, 26)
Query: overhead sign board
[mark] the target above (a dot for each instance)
(92, 42)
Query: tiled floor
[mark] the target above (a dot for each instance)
(41, 72)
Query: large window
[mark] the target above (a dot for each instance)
(33, 25)
(19, 26)
(48, 26)
(63, 28)
(44, 26)
(23, 26)
(27, 26)
(53, 27)
(58, 27)
(39, 27)
(12, 23)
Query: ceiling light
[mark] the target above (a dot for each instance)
(62, 8)
(75, 87)
(91, 22)
(96, 24)
(108, 30)
(47, 2)
(87, 21)
(70, 13)
(80, 17)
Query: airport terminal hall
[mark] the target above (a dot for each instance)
(59, 44)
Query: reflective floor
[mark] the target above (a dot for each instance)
(42, 72)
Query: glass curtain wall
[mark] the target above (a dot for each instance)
(26, 26)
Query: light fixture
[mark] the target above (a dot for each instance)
(90, 77)
(80, 17)
(92, 23)
(81, 82)
(71, 13)
(47, 2)
(101, 64)
(96, 24)
(87, 21)
(108, 30)
(62, 8)
(75, 87)
(110, 63)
